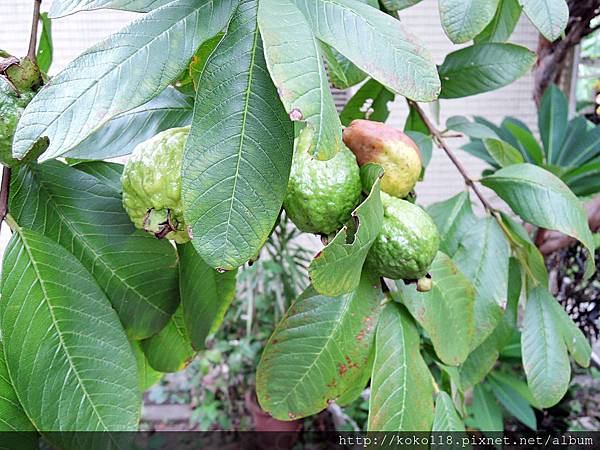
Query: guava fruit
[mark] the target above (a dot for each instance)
(375, 142)
(12, 105)
(321, 195)
(23, 73)
(152, 185)
(407, 243)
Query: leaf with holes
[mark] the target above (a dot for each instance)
(238, 154)
(545, 357)
(336, 269)
(170, 350)
(73, 370)
(319, 350)
(542, 199)
(370, 102)
(294, 60)
(137, 273)
(401, 385)
(119, 136)
(462, 20)
(377, 43)
(446, 312)
(205, 295)
(122, 72)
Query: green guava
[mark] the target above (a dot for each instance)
(152, 185)
(11, 108)
(407, 243)
(321, 195)
(400, 157)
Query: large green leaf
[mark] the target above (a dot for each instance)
(15, 426)
(545, 357)
(136, 271)
(446, 417)
(66, 352)
(486, 411)
(502, 152)
(205, 295)
(336, 269)
(61, 8)
(319, 350)
(503, 24)
(453, 218)
(369, 102)
(552, 121)
(550, 17)
(483, 257)
(401, 384)
(527, 142)
(377, 43)
(542, 199)
(342, 73)
(295, 63)
(446, 312)
(122, 72)
(462, 20)
(239, 151)
(108, 173)
(513, 402)
(482, 68)
(147, 376)
(120, 135)
(170, 350)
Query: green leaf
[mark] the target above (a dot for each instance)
(401, 384)
(201, 56)
(542, 199)
(370, 102)
(513, 402)
(108, 173)
(446, 417)
(147, 376)
(552, 121)
(453, 218)
(136, 271)
(45, 47)
(295, 64)
(446, 312)
(414, 122)
(550, 17)
(482, 68)
(472, 129)
(318, 351)
(342, 73)
(462, 20)
(122, 72)
(170, 350)
(121, 134)
(502, 152)
(62, 8)
(377, 43)
(482, 256)
(74, 370)
(527, 142)
(545, 357)
(585, 149)
(398, 5)
(503, 24)
(425, 144)
(517, 384)
(575, 340)
(336, 269)
(238, 154)
(15, 426)
(205, 295)
(486, 411)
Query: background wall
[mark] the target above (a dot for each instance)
(75, 33)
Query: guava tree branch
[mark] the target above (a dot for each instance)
(439, 141)
(4, 190)
(34, 29)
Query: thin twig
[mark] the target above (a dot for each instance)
(34, 29)
(4, 191)
(439, 140)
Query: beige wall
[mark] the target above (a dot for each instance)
(75, 33)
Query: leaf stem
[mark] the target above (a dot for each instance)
(439, 141)
(12, 223)
(34, 29)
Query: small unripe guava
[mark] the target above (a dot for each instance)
(375, 142)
